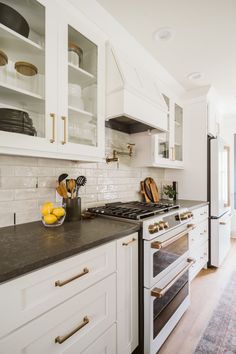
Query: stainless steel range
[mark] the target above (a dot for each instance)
(165, 234)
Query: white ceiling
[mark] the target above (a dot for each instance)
(205, 39)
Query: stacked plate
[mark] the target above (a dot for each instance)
(16, 121)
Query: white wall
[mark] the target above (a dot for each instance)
(227, 131)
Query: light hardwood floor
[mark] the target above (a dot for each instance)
(206, 290)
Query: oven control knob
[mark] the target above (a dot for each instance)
(153, 228)
(166, 225)
(190, 214)
(161, 225)
(184, 216)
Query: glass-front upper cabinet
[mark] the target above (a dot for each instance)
(178, 133)
(164, 138)
(27, 75)
(82, 99)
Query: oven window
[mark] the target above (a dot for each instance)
(165, 307)
(164, 257)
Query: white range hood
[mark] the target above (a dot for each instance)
(133, 103)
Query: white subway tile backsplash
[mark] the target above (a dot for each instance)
(26, 183)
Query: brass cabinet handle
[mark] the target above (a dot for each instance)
(61, 339)
(53, 116)
(158, 245)
(158, 293)
(64, 141)
(62, 283)
(129, 242)
(222, 223)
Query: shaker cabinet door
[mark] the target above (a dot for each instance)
(81, 88)
(127, 294)
(28, 81)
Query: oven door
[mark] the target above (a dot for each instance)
(163, 253)
(164, 305)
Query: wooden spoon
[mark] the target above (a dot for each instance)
(71, 187)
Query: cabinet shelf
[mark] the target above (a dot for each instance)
(10, 94)
(76, 111)
(80, 76)
(11, 39)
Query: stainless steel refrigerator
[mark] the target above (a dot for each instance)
(219, 200)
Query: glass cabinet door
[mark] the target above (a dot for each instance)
(164, 138)
(82, 89)
(25, 120)
(178, 133)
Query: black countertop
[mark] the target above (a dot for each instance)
(27, 247)
(191, 204)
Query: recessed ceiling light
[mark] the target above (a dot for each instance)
(195, 76)
(164, 34)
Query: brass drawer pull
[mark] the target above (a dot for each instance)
(129, 242)
(158, 245)
(158, 293)
(61, 339)
(62, 283)
(53, 116)
(64, 141)
(222, 223)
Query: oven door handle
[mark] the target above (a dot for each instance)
(158, 293)
(158, 245)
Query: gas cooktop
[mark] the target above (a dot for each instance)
(133, 210)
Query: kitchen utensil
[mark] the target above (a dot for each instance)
(59, 191)
(63, 190)
(75, 54)
(62, 177)
(3, 58)
(154, 190)
(147, 200)
(12, 19)
(148, 189)
(71, 187)
(80, 182)
(73, 209)
(25, 68)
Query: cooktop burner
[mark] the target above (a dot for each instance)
(133, 210)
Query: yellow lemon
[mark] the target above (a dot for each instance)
(50, 219)
(47, 208)
(58, 212)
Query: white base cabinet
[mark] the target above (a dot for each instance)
(127, 294)
(85, 304)
(198, 241)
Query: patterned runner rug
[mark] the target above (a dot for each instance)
(220, 335)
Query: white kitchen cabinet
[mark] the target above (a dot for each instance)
(127, 294)
(198, 241)
(65, 100)
(162, 149)
(87, 303)
(70, 327)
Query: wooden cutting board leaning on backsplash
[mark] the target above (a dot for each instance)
(149, 190)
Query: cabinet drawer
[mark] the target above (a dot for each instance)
(201, 257)
(200, 214)
(198, 236)
(82, 319)
(106, 344)
(29, 296)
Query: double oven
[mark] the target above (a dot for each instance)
(166, 278)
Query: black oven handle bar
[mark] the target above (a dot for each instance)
(158, 245)
(158, 293)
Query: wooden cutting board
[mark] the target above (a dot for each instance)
(150, 189)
